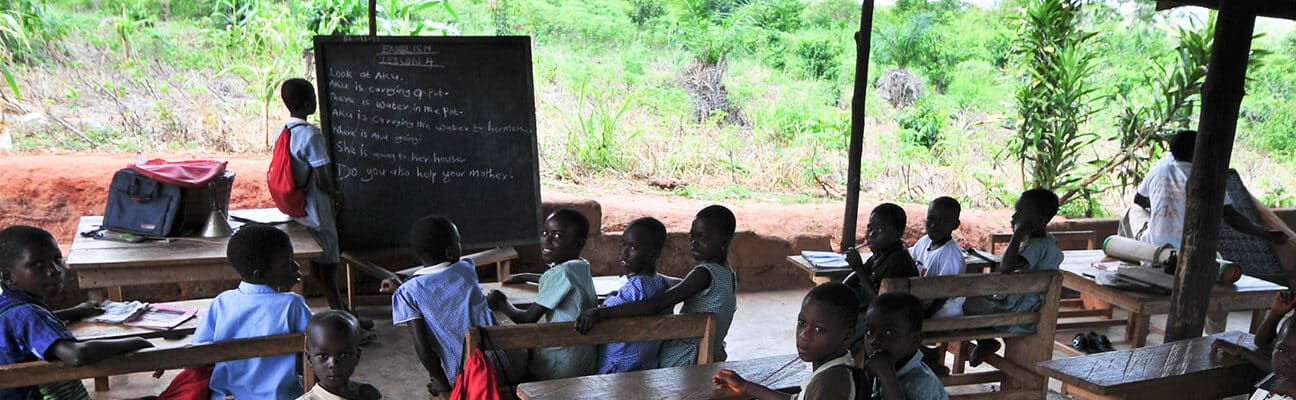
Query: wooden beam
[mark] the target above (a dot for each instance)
(863, 43)
(1285, 9)
(1221, 98)
(614, 330)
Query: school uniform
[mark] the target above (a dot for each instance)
(309, 150)
(916, 381)
(27, 331)
(941, 261)
(249, 311)
(319, 393)
(845, 393)
(890, 262)
(624, 357)
(1040, 254)
(447, 298)
(719, 300)
(566, 289)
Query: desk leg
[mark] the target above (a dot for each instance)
(1136, 329)
(1216, 321)
(115, 293)
(503, 270)
(1257, 318)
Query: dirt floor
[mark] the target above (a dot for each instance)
(53, 190)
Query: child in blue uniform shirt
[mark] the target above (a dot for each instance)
(31, 268)
(263, 257)
(641, 246)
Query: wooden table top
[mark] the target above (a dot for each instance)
(1080, 267)
(1147, 367)
(691, 382)
(84, 330)
(980, 259)
(87, 253)
(524, 294)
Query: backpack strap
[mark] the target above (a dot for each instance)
(309, 171)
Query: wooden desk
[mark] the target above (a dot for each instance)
(1186, 369)
(524, 294)
(104, 266)
(97, 330)
(691, 382)
(976, 263)
(1247, 293)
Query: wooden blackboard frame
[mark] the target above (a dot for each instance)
(322, 45)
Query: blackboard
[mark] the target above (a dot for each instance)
(431, 125)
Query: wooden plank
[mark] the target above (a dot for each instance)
(1169, 364)
(691, 382)
(150, 275)
(978, 321)
(1083, 313)
(84, 330)
(975, 263)
(999, 395)
(1221, 98)
(148, 360)
(616, 330)
(974, 378)
(966, 335)
(524, 294)
(1086, 325)
(970, 285)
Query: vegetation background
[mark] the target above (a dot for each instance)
(713, 99)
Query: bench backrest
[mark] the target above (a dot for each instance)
(976, 285)
(1067, 240)
(154, 359)
(615, 330)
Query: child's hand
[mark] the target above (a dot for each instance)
(856, 263)
(1284, 302)
(1228, 348)
(586, 320)
(729, 381)
(89, 309)
(880, 364)
(438, 389)
(1023, 229)
(496, 300)
(389, 285)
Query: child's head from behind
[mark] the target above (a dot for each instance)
(30, 260)
(1182, 145)
(564, 236)
(435, 239)
(263, 254)
(713, 229)
(1035, 208)
(942, 218)
(886, 226)
(893, 324)
(826, 322)
(641, 246)
(333, 347)
(299, 96)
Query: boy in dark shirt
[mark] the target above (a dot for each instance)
(890, 259)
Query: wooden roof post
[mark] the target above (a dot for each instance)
(1221, 97)
(863, 43)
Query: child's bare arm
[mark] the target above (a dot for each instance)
(525, 277)
(80, 311)
(324, 180)
(1268, 331)
(696, 281)
(82, 353)
(1259, 360)
(498, 301)
(1012, 260)
(670, 280)
(424, 344)
(731, 383)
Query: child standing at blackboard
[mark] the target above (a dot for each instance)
(566, 289)
(311, 164)
(708, 288)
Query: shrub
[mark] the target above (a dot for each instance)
(834, 14)
(642, 11)
(818, 57)
(329, 17)
(778, 15)
(921, 124)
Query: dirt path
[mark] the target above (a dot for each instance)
(53, 191)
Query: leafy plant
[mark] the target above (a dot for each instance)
(921, 124)
(331, 17)
(595, 142)
(643, 11)
(818, 58)
(1057, 99)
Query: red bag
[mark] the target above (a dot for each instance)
(189, 173)
(477, 381)
(190, 384)
(288, 196)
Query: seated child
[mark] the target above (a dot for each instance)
(1274, 345)
(333, 350)
(937, 253)
(31, 268)
(708, 288)
(566, 289)
(1030, 249)
(889, 260)
(641, 246)
(892, 332)
(825, 327)
(263, 257)
(441, 305)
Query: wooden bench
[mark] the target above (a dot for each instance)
(784, 373)
(153, 359)
(615, 330)
(1067, 240)
(1187, 369)
(1018, 371)
(502, 257)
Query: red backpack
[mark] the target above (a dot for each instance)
(477, 380)
(288, 196)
